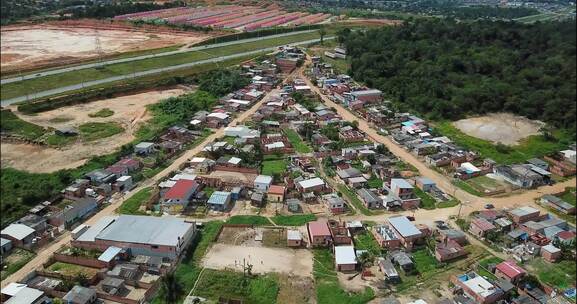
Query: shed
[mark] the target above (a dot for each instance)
(219, 200)
(109, 254)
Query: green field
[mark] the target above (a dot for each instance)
(297, 142)
(569, 195)
(375, 182)
(327, 285)
(249, 220)
(559, 275)
(106, 112)
(354, 199)
(132, 205)
(214, 284)
(427, 202)
(482, 270)
(530, 147)
(65, 79)
(97, 130)
(272, 167)
(366, 241)
(293, 220)
(12, 124)
(424, 261)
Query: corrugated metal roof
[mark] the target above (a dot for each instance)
(17, 231)
(404, 226)
(345, 255)
(219, 198)
(109, 254)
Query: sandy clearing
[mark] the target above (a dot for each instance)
(291, 261)
(506, 128)
(47, 45)
(129, 112)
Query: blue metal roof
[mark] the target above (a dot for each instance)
(219, 198)
(404, 226)
(109, 254)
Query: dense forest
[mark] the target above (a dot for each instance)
(447, 69)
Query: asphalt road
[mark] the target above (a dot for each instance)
(79, 86)
(129, 59)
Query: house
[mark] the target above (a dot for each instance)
(123, 183)
(388, 269)
(357, 182)
(334, 203)
(15, 293)
(403, 259)
(80, 295)
(480, 227)
(369, 96)
(319, 234)
(401, 190)
(257, 199)
(369, 198)
(241, 132)
(164, 237)
(386, 237)
(478, 288)
(539, 163)
(217, 119)
(557, 204)
(519, 175)
(449, 250)
(294, 238)
(98, 177)
(345, 174)
(20, 235)
(408, 233)
(340, 233)
(5, 246)
(36, 222)
(219, 200)
(551, 253)
(509, 271)
(180, 194)
(453, 235)
(424, 183)
(130, 163)
(144, 148)
(524, 214)
(79, 209)
(562, 163)
(262, 183)
(345, 258)
(315, 185)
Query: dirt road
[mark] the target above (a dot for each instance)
(47, 252)
(472, 202)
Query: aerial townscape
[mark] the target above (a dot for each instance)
(288, 151)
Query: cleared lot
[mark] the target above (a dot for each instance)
(290, 261)
(505, 128)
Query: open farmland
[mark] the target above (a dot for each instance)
(129, 112)
(242, 18)
(60, 43)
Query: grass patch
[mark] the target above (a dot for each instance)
(467, 188)
(293, 220)
(427, 202)
(72, 269)
(16, 260)
(233, 285)
(365, 241)
(530, 147)
(448, 204)
(297, 142)
(272, 167)
(354, 199)
(106, 112)
(327, 285)
(560, 275)
(98, 130)
(256, 220)
(569, 195)
(60, 119)
(20, 88)
(375, 182)
(132, 205)
(274, 238)
(424, 261)
(483, 264)
(12, 124)
(56, 140)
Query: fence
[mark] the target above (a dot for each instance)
(78, 260)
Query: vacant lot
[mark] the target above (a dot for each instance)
(129, 113)
(505, 128)
(296, 262)
(41, 45)
(72, 269)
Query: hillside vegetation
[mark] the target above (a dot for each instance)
(447, 70)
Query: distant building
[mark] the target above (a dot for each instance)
(480, 227)
(557, 204)
(408, 233)
(478, 288)
(449, 250)
(524, 214)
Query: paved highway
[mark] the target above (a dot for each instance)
(79, 86)
(129, 59)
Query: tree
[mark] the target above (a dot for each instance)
(366, 259)
(322, 32)
(172, 289)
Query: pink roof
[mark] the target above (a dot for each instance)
(566, 235)
(319, 228)
(128, 162)
(180, 189)
(275, 189)
(510, 269)
(483, 224)
(116, 169)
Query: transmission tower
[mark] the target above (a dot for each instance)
(98, 46)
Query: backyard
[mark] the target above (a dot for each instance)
(17, 258)
(297, 142)
(272, 167)
(72, 270)
(132, 205)
(560, 275)
(293, 220)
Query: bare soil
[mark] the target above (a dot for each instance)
(48, 44)
(297, 262)
(505, 128)
(129, 111)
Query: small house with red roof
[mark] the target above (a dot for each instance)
(510, 271)
(449, 250)
(319, 234)
(480, 227)
(565, 236)
(275, 194)
(180, 194)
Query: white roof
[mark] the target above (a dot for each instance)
(302, 88)
(569, 153)
(313, 182)
(242, 102)
(195, 122)
(254, 93)
(17, 231)
(197, 159)
(419, 301)
(12, 289)
(257, 78)
(185, 176)
(234, 160)
(294, 235)
(470, 167)
(275, 145)
(26, 295)
(167, 184)
(359, 179)
(275, 103)
(345, 255)
(218, 115)
(144, 145)
(263, 179)
(124, 178)
(550, 248)
(480, 286)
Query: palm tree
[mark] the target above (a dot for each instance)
(172, 288)
(365, 259)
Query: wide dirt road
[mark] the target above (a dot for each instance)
(472, 202)
(47, 252)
